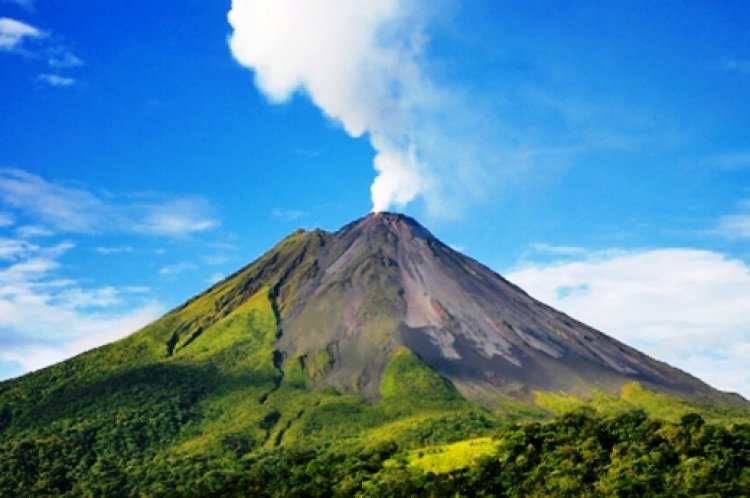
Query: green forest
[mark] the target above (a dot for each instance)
(577, 454)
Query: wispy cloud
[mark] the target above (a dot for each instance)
(176, 218)
(64, 59)
(45, 318)
(75, 210)
(688, 307)
(113, 250)
(20, 38)
(67, 209)
(13, 33)
(557, 250)
(32, 231)
(288, 214)
(735, 226)
(544, 253)
(27, 5)
(178, 268)
(56, 80)
(11, 249)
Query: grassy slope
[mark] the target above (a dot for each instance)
(444, 458)
(448, 457)
(635, 396)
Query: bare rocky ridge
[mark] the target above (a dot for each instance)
(351, 298)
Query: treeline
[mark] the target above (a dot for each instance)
(579, 454)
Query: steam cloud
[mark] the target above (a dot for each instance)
(359, 62)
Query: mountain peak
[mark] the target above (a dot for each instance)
(389, 217)
(397, 225)
(384, 282)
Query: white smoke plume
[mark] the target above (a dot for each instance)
(360, 62)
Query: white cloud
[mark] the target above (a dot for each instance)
(11, 249)
(557, 250)
(13, 33)
(75, 210)
(56, 80)
(45, 319)
(13, 36)
(78, 298)
(735, 226)
(85, 332)
(32, 231)
(335, 51)
(113, 250)
(67, 209)
(688, 307)
(175, 218)
(362, 63)
(177, 268)
(64, 59)
(322, 46)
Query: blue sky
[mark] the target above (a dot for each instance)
(598, 156)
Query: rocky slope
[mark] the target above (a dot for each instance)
(346, 301)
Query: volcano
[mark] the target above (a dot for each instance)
(346, 301)
(377, 334)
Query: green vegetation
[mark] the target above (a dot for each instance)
(578, 454)
(221, 425)
(449, 457)
(635, 396)
(407, 380)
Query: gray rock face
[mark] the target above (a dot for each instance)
(384, 282)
